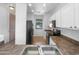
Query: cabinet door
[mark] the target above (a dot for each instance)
(67, 16)
(53, 17)
(58, 18)
(76, 20)
(52, 42)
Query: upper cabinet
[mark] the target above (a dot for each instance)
(67, 13)
(67, 16)
(53, 17)
(76, 15)
(58, 18)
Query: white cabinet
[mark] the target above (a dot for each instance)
(76, 15)
(58, 18)
(1, 37)
(52, 42)
(67, 16)
(53, 17)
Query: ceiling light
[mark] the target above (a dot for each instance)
(30, 4)
(11, 8)
(32, 10)
(44, 5)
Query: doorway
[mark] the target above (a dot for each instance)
(11, 28)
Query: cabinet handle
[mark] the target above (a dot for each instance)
(75, 26)
(70, 26)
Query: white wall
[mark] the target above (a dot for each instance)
(4, 22)
(30, 16)
(20, 26)
(38, 32)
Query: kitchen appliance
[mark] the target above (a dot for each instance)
(56, 32)
(54, 23)
(29, 31)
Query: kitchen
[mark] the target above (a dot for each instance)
(45, 29)
(66, 25)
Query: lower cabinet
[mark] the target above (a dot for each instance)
(52, 42)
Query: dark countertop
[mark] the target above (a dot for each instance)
(50, 32)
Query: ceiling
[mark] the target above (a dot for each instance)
(41, 8)
(35, 8)
(9, 7)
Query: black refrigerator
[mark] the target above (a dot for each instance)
(29, 31)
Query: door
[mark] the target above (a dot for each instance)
(11, 27)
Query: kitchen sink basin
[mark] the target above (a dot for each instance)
(41, 50)
(31, 51)
(50, 51)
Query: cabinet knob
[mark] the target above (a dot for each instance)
(75, 26)
(70, 26)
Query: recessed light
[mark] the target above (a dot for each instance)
(30, 4)
(11, 8)
(32, 10)
(44, 5)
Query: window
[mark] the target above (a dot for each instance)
(39, 24)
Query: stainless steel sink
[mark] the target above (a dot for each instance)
(41, 50)
(50, 51)
(31, 51)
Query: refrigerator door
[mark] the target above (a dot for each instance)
(29, 32)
